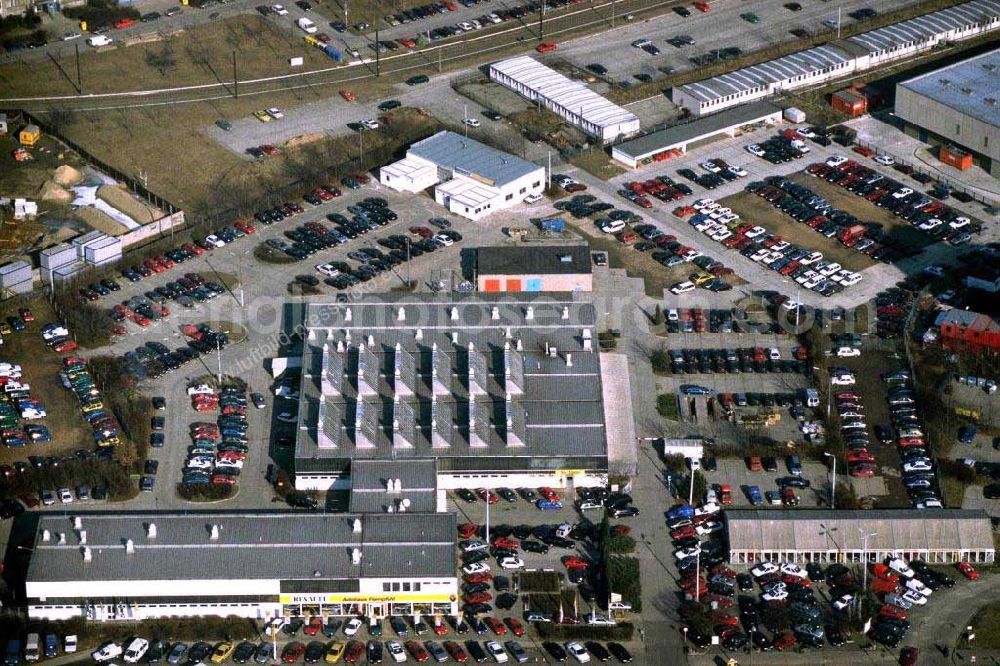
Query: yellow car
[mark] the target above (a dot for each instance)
(92, 407)
(223, 651)
(5, 329)
(334, 651)
(262, 116)
(701, 278)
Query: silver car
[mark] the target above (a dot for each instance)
(177, 653)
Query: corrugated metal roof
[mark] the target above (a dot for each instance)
(970, 87)
(767, 73)
(540, 260)
(458, 153)
(572, 95)
(928, 26)
(252, 546)
(821, 530)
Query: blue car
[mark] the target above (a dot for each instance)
(753, 493)
(547, 505)
(694, 389)
(966, 435)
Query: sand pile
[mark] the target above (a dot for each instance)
(53, 192)
(67, 176)
(304, 139)
(121, 199)
(99, 220)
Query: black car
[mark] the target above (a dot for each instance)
(620, 653)
(506, 601)
(157, 650)
(476, 651)
(374, 651)
(199, 652)
(597, 651)
(598, 69)
(315, 651)
(467, 495)
(293, 626)
(554, 649)
(532, 546)
(682, 11)
(491, 114)
(301, 501)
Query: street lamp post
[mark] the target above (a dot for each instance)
(833, 479)
(864, 562)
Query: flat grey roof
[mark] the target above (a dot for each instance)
(463, 155)
(703, 126)
(370, 479)
(898, 530)
(927, 26)
(766, 73)
(253, 546)
(532, 260)
(528, 408)
(970, 87)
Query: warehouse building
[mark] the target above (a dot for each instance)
(957, 106)
(570, 100)
(838, 59)
(534, 268)
(115, 567)
(496, 390)
(678, 139)
(940, 536)
(470, 179)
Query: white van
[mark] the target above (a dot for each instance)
(307, 26)
(99, 40)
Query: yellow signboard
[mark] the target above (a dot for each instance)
(358, 598)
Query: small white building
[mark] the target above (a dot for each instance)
(569, 99)
(472, 179)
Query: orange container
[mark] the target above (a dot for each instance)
(955, 157)
(849, 102)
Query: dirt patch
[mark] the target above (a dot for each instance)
(54, 192)
(100, 221)
(755, 210)
(304, 139)
(66, 176)
(19, 235)
(597, 163)
(121, 199)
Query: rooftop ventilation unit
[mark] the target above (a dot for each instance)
(87, 557)
(151, 531)
(129, 547)
(356, 556)
(214, 533)
(356, 526)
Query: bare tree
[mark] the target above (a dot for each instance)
(162, 59)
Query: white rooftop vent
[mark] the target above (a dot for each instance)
(151, 531)
(529, 313)
(61, 538)
(454, 314)
(404, 505)
(356, 526)
(87, 557)
(566, 258)
(565, 314)
(454, 337)
(77, 522)
(419, 335)
(340, 346)
(569, 360)
(399, 485)
(83, 536)
(495, 313)
(401, 314)
(46, 535)
(518, 345)
(348, 315)
(214, 534)
(356, 556)
(371, 340)
(507, 333)
(129, 546)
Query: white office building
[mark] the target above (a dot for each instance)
(470, 179)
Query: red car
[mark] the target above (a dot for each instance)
(467, 530)
(332, 191)
(908, 656)
(245, 227)
(882, 571)
(549, 494)
(164, 261)
(689, 584)
(576, 187)
(574, 562)
(684, 211)
(355, 651)
(545, 47)
(314, 626)
(483, 577)
(967, 570)
(621, 530)
(293, 653)
(506, 542)
(498, 627)
(785, 641)
(515, 626)
(65, 346)
(478, 598)
(193, 249)
(488, 495)
(889, 610)
(440, 628)
(685, 532)
(26, 314)
(417, 651)
(322, 194)
(423, 232)
(456, 651)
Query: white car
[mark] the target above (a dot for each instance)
(790, 569)
(781, 246)
(885, 160)
(842, 380)
(328, 270)
(370, 124)
(443, 240)
(755, 232)
(775, 595)
(512, 563)
(930, 503)
(707, 509)
(959, 222)
(812, 258)
(496, 651)
(473, 545)
(835, 160)
(274, 113)
(851, 280)
(227, 463)
(763, 569)
(476, 567)
(848, 352)
(65, 496)
(578, 652)
(352, 626)
(915, 598)
(215, 240)
(844, 602)
(901, 567)
(136, 649)
(673, 315)
(107, 652)
(709, 204)
(898, 601)
(685, 553)
(754, 149)
(71, 35)
(279, 10)
(902, 193)
(682, 288)
(830, 269)
(930, 224)
(918, 587)
(774, 354)
(710, 167)
(612, 226)
(471, 122)
(708, 527)
(722, 235)
(917, 466)
(532, 198)
(200, 389)
(396, 651)
(738, 171)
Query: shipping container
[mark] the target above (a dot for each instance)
(57, 255)
(555, 224)
(954, 157)
(66, 272)
(794, 115)
(333, 53)
(25, 287)
(849, 102)
(14, 273)
(82, 241)
(103, 251)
